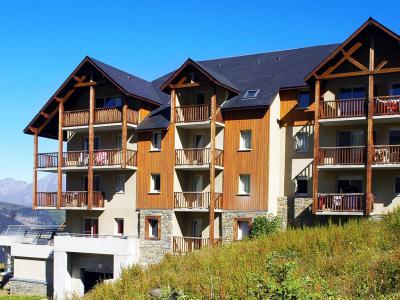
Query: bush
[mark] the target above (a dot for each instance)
(265, 225)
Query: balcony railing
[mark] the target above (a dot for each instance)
(196, 200)
(341, 202)
(341, 155)
(386, 154)
(192, 113)
(101, 116)
(189, 244)
(69, 199)
(104, 157)
(197, 156)
(387, 105)
(343, 108)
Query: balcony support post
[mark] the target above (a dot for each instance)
(60, 152)
(370, 130)
(124, 134)
(173, 105)
(35, 165)
(316, 145)
(212, 166)
(92, 97)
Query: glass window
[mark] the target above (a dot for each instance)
(119, 141)
(113, 102)
(153, 227)
(96, 143)
(91, 226)
(350, 138)
(397, 185)
(96, 183)
(245, 140)
(250, 94)
(156, 140)
(120, 188)
(244, 184)
(395, 89)
(120, 226)
(155, 183)
(352, 93)
(394, 137)
(303, 100)
(243, 229)
(301, 185)
(301, 140)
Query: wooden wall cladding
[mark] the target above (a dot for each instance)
(254, 162)
(290, 116)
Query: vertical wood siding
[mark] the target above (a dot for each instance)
(290, 116)
(254, 162)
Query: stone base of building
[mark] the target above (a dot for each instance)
(152, 251)
(295, 211)
(30, 287)
(228, 220)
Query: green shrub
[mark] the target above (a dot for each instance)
(265, 225)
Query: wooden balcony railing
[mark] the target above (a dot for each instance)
(343, 108)
(192, 113)
(104, 157)
(341, 202)
(341, 155)
(387, 105)
(196, 200)
(386, 154)
(69, 199)
(197, 156)
(101, 116)
(189, 244)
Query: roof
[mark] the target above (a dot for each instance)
(157, 119)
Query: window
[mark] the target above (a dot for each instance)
(242, 228)
(301, 142)
(397, 185)
(156, 141)
(301, 185)
(349, 184)
(245, 140)
(200, 98)
(350, 138)
(109, 102)
(96, 183)
(153, 227)
(244, 184)
(91, 226)
(394, 137)
(352, 93)
(119, 141)
(120, 188)
(303, 99)
(96, 143)
(198, 141)
(119, 226)
(251, 94)
(395, 89)
(155, 183)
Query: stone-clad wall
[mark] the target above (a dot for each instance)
(152, 251)
(29, 287)
(228, 221)
(295, 211)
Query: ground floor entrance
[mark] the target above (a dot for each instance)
(91, 278)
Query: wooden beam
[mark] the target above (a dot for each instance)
(184, 85)
(357, 63)
(79, 79)
(35, 165)
(182, 80)
(381, 65)
(124, 134)
(212, 167)
(33, 129)
(360, 73)
(92, 97)
(58, 99)
(60, 152)
(173, 106)
(316, 145)
(346, 55)
(84, 84)
(45, 115)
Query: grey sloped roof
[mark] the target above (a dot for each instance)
(157, 119)
(267, 72)
(132, 84)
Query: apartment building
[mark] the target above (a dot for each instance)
(190, 159)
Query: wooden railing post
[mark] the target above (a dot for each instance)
(316, 145)
(35, 165)
(212, 166)
(92, 97)
(60, 151)
(124, 132)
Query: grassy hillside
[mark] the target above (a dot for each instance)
(358, 260)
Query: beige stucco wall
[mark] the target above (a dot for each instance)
(383, 189)
(327, 180)
(33, 269)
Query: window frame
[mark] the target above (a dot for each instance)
(153, 135)
(297, 186)
(298, 100)
(241, 192)
(242, 141)
(117, 226)
(147, 220)
(246, 94)
(117, 190)
(306, 149)
(236, 226)
(152, 183)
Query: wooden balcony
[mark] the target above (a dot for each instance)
(102, 158)
(182, 244)
(192, 113)
(387, 106)
(341, 203)
(70, 199)
(330, 156)
(386, 154)
(101, 116)
(197, 157)
(349, 108)
(193, 200)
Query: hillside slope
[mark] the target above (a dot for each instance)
(358, 260)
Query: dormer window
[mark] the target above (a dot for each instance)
(251, 94)
(303, 100)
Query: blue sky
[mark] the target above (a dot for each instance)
(42, 41)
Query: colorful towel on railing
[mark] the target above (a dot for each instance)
(101, 158)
